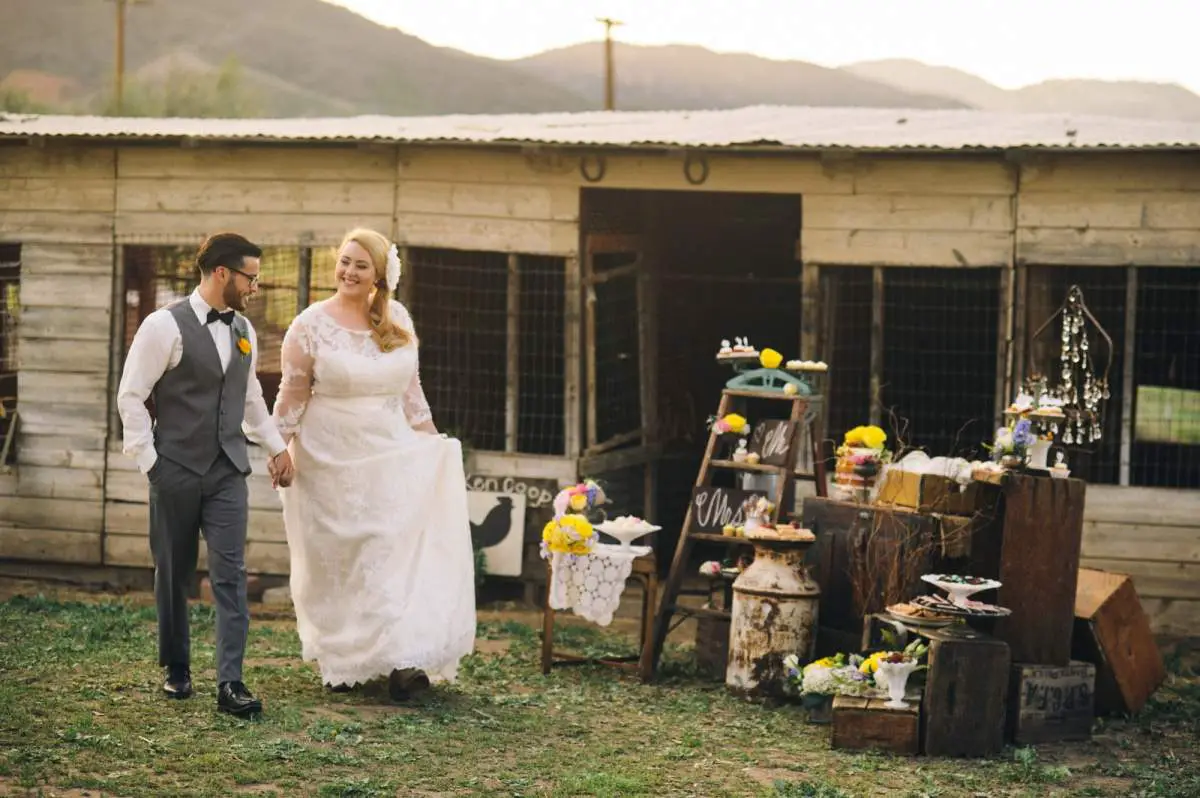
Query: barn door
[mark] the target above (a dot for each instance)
(620, 381)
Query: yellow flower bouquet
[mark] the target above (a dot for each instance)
(569, 534)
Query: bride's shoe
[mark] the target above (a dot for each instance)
(404, 684)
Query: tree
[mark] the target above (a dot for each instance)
(188, 93)
(17, 101)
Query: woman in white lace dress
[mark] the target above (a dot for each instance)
(382, 568)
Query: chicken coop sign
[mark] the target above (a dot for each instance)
(498, 510)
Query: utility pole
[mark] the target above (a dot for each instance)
(119, 82)
(610, 102)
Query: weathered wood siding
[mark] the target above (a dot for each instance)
(914, 212)
(1136, 209)
(72, 205)
(58, 204)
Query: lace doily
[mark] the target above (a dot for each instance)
(591, 585)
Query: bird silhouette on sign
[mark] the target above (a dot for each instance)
(495, 526)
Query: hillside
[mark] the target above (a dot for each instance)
(687, 77)
(313, 58)
(287, 48)
(1111, 98)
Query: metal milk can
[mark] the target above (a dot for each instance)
(774, 614)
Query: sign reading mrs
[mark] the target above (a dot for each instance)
(714, 507)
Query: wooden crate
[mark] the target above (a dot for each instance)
(1114, 633)
(868, 723)
(1049, 703)
(1039, 564)
(965, 692)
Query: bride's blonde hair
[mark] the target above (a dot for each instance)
(387, 334)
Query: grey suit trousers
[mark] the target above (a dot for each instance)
(182, 504)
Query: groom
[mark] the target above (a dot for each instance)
(196, 359)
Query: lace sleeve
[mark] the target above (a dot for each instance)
(295, 385)
(416, 406)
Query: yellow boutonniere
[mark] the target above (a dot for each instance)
(243, 345)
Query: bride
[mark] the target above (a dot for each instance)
(382, 571)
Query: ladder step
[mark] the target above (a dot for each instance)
(755, 467)
(706, 612)
(709, 537)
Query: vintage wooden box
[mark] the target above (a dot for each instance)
(934, 494)
(1039, 565)
(1047, 703)
(966, 689)
(868, 723)
(1113, 632)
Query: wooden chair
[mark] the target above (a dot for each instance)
(645, 572)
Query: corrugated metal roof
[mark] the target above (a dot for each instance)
(744, 128)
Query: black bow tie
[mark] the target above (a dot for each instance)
(214, 315)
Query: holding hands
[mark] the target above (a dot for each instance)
(281, 469)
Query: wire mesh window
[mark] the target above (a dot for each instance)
(1165, 449)
(1104, 290)
(847, 321)
(938, 345)
(940, 341)
(156, 276)
(10, 312)
(460, 306)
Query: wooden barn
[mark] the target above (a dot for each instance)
(571, 277)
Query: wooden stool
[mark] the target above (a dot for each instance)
(645, 572)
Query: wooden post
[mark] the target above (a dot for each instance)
(116, 362)
(304, 277)
(648, 374)
(407, 289)
(1127, 374)
(589, 343)
(810, 312)
(513, 370)
(1004, 345)
(876, 383)
(1020, 333)
(571, 321)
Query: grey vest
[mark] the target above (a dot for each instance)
(198, 408)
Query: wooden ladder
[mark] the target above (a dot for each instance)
(786, 475)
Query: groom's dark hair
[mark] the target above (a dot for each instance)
(225, 249)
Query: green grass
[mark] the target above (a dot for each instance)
(81, 711)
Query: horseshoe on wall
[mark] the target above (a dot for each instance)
(600, 169)
(689, 161)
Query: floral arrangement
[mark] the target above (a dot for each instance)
(732, 423)
(846, 674)
(829, 676)
(871, 437)
(570, 534)
(911, 653)
(580, 499)
(1013, 440)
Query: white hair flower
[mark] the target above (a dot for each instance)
(393, 268)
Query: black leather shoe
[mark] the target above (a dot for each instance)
(406, 684)
(234, 698)
(179, 682)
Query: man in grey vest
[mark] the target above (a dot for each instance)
(196, 358)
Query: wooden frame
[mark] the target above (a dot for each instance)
(645, 572)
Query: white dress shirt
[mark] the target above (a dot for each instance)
(158, 347)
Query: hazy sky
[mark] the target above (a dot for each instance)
(1009, 42)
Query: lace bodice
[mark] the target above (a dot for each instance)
(322, 358)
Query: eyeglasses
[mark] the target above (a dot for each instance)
(253, 278)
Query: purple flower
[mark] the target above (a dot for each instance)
(1022, 433)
